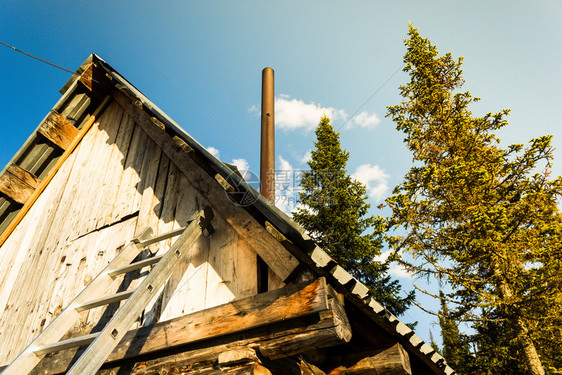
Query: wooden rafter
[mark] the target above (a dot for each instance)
(18, 184)
(57, 129)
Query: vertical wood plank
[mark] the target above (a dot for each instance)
(25, 253)
(99, 167)
(183, 292)
(83, 178)
(165, 224)
(147, 186)
(107, 215)
(128, 189)
(273, 281)
(232, 267)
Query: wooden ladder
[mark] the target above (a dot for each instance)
(101, 344)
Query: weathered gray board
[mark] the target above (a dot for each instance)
(116, 183)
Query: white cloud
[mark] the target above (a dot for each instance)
(215, 152)
(395, 269)
(364, 120)
(307, 157)
(285, 189)
(242, 164)
(284, 165)
(383, 256)
(243, 167)
(293, 114)
(375, 178)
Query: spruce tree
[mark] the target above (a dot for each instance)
(480, 216)
(334, 211)
(455, 345)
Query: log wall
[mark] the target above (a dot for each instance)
(116, 183)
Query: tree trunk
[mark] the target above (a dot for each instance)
(531, 355)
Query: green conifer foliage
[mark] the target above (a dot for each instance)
(334, 212)
(482, 217)
(455, 345)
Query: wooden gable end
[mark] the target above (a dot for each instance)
(117, 182)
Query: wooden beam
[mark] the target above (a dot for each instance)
(302, 315)
(202, 368)
(18, 184)
(391, 360)
(57, 129)
(96, 80)
(335, 317)
(199, 358)
(275, 255)
(245, 368)
(37, 192)
(237, 356)
(87, 76)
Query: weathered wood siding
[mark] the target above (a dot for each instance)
(115, 184)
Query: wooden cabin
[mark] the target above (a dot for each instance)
(255, 296)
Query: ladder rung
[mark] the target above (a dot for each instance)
(65, 344)
(135, 266)
(104, 300)
(160, 237)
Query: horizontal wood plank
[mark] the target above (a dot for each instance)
(296, 313)
(57, 129)
(18, 184)
(65, 344)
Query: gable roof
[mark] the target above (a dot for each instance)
(39, 156)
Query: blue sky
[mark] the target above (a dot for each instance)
(328, 57)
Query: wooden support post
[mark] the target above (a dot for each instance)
(18, 184)
(281, 261)
(58, 130)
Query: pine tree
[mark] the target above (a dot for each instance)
(434, 345)
(481, 217)
(455, 345)
(495, 353)
(334, 212)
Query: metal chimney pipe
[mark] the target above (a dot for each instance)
(267, 159)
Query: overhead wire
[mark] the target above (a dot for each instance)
(371, 97)
(161, 68)
(197, 103)
(42, 60)
(217, 123)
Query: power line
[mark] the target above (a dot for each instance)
(40, 59)
(173, 79)
(371, 97)
(161, 68)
